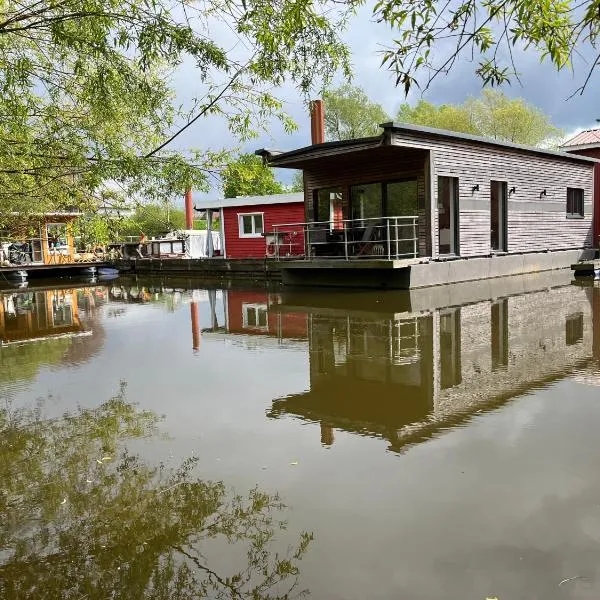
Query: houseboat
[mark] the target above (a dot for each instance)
(44, 245)
(416, 206)
(246, 224)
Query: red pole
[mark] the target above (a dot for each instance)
(195, 326)
(317, 122)
(189, 209)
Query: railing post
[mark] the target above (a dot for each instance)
(414, 238)
(276, 232)
(345, 241)
(307, 241)
(389, 242)
(396, 236)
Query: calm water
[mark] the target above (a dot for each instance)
(437, 444)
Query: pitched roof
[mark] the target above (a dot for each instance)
(288, 198)
(589, 137)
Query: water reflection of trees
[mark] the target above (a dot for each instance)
(82, 517)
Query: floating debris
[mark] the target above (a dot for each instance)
(569, 579)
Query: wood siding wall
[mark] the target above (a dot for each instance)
(255, 247)
(594, 153)
(535, 223)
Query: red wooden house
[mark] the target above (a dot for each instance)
(246, 224)
(587, 143)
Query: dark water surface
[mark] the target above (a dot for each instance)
(434, 444)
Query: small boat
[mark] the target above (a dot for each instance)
(108, 271)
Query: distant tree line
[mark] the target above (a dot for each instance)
(349, 114)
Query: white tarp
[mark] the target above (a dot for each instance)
(196, 243)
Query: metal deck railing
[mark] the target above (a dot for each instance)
(389, 238)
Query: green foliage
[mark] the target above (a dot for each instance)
(492, 115)
(432, 36)
(297, 184)
(87, 99)
(349, 114)
(248, 176)
(83, 517)
(444, 116)
(152, 220)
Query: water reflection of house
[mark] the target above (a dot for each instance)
(34, 315)
(250, 312)
(404, 376)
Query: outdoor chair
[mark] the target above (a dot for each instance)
(367, 244)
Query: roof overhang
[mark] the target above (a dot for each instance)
(297, 159)
(573, 147)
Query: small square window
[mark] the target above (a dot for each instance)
(255, 316)
(251, 225)
(575, 203)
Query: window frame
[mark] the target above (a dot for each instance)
(339, 192)
(241, 224)
(256, 308)
(575, 214)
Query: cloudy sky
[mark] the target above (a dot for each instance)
(540, 85)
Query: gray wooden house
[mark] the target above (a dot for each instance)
(436, 206)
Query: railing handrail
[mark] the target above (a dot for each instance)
(336, 221)
(346, 238)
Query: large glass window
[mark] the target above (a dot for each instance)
(328, 205)
(401, 198)
(57, 235)
(366, 201)
(448, 215)
(499, 215)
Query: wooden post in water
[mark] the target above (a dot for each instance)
(195, 326)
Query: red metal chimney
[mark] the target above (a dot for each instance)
(317, 122)
(189, 209)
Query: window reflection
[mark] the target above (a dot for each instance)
(499, 314)
(450, 348)
(574, 328)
